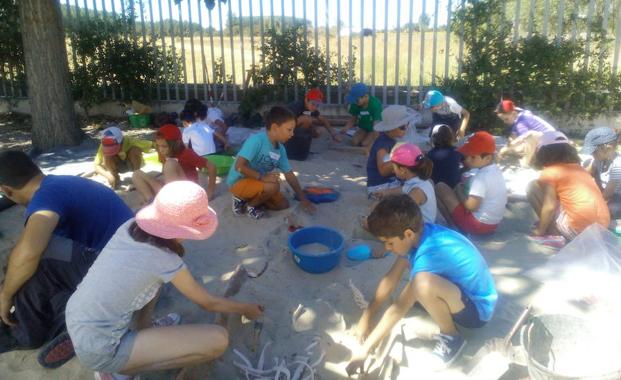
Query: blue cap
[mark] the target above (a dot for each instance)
(433, 98)
(357, 91)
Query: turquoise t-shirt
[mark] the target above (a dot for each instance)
(261, 155)
(448, 254)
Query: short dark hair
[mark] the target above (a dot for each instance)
(443, 138)
(17, 169)
(140, 235)
(188, 115)
(393, 215)
(278, 115)
(201, 111)
(555, 154)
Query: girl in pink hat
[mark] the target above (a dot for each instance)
(125, 280)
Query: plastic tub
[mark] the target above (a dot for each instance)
(317, 234)
(223, 162)
(139, 120)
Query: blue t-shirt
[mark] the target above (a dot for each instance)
(446, 163)
(448, 254)
(374, 178)
(261, 156)
(89, 212)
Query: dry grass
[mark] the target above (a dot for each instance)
(395, 60)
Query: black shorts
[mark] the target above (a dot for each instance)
(469, 316)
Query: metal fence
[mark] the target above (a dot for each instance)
(401, 47)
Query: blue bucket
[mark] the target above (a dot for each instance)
(317, 234)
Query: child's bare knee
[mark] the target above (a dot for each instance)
(423, 284)
(219, 340)
(271, 188)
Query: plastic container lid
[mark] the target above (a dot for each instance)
(359, 252)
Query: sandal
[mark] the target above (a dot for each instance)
(56, 352)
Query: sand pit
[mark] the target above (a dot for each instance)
(302, 308)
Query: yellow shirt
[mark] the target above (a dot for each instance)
(126, 145)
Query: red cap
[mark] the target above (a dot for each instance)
(110, 147)
(505, 106)
(315, 94)
(479, 143)
(169, 132)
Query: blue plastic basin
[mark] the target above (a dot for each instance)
(317, 234)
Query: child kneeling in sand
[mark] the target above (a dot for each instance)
(565, 197)
(252, 180)
(476, 208)
(124, 282)
(447, 276)
(178, 163)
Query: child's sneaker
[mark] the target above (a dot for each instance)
(171, 319)
(238, 206)
(551, 241)
(255, 212)
(447, 349)
(114, 376)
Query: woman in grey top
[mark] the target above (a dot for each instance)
(145, 253)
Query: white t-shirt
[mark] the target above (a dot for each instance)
(607, 173)
(429, 209)
(450, 106)
(201, 136)
(489, 184)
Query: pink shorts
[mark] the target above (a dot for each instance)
(466, 222)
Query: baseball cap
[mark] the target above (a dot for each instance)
(169, 132)
(357, 91)
(506, 106)
(111, 139)
(478, 143)
(551, 138)
(598, 136)
(407, 155)
(315, 95)
(433, 98)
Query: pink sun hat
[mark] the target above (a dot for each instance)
(407, 155)
(179, 211)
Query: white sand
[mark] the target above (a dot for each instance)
(323, 303)
(313, 249)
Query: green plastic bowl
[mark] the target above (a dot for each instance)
(151, 158)
(223, 162)
(139, 121)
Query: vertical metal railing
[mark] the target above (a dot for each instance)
(167, 26)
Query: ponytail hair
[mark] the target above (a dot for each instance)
(141, 236)
(423, 168)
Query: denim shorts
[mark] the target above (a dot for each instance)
(469, 316)
(111, 362)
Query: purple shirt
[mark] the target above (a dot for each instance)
(526, 121)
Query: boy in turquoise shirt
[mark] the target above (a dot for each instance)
(366, 110)
(252, 179)
(447, 276)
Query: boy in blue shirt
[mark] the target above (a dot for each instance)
(447, 276)
(252, 179)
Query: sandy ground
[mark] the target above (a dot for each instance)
(323, 303)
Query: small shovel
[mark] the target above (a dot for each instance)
(240, 275)
(492, 360)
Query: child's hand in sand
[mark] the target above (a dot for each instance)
(308, 206)
(356, 364)
(363, 329)
(271, 177)
(252, 311)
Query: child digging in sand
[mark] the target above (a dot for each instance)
(479, 209)
(447, 276)
(124, 282)
(179, 163)
(565, 197)
(252, 180)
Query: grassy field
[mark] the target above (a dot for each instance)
(395, 60)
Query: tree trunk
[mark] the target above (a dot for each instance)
(49, 88)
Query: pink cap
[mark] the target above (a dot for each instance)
(179, 211)
(407, 155)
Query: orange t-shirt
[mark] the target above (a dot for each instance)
(578, 195)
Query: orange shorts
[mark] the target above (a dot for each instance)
(249, 188)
